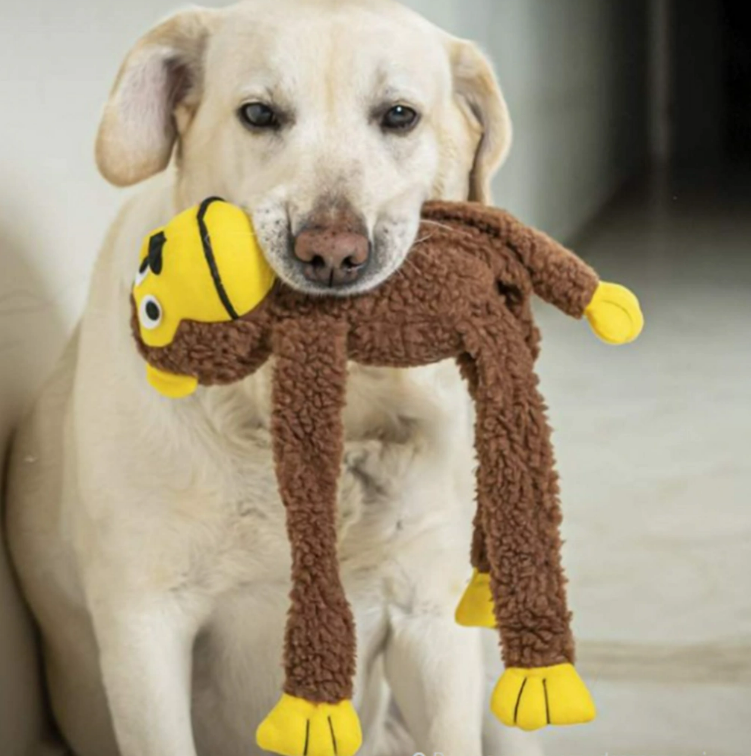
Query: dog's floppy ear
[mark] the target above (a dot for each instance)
(162, 73)
(479, 95)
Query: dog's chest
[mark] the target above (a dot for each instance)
(403, 455)
(370, 504)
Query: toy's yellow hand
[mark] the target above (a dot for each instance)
(476, 605)
(614, 314)
(170, 385)
(297, 727)
(534, 698)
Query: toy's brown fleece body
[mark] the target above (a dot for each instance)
(463, 293)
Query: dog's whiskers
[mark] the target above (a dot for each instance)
(437, 223)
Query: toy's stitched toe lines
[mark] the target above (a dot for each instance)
(554, 696)
(307, 737)
(333, 737)
(519, 701)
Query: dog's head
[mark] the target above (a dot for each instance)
(329, 121)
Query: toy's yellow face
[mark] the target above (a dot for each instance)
(205, 265)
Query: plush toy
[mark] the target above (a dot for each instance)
(207, 310)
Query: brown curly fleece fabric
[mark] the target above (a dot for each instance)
(463, 293)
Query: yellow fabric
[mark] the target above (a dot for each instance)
(185, 289)
(297, 727)
(246, 275)
(534, 698)
(614, 314)
(476, 605)
(169, 385)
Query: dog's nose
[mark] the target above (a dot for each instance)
(332, 258)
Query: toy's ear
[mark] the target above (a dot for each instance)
(161, 75)
(479, 95)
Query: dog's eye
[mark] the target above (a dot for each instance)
(400, 118)
(259, 116)
(150, 312)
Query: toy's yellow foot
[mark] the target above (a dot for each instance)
(614, 314)
(169, 385)
(534, 698)
(297, 727)
(476, 605)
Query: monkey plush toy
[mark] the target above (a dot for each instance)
(208, 310)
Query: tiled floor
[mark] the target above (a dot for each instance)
(653, 444)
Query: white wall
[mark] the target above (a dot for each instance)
(572, 71)
(576, 79)
(575, 76)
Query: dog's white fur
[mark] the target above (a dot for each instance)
(148, 534)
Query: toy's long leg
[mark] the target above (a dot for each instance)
(475, 608)
(478, 552)
(518, 500)
(315, 716)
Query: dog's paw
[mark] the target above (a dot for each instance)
(297, 727)
(476, 605)
(534, 698)
(614, 314)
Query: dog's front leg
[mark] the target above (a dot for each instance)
(145, 647)
(434, 668)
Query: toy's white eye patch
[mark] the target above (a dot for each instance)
(143, 272)
(150, 312)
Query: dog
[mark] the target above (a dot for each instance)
(148, 535)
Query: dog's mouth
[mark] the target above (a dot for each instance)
(323, 273)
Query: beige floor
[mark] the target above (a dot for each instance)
(653, 444)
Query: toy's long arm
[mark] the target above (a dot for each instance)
(557, 275)
(315, 715)
(567, 282)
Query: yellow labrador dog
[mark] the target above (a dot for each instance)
(148, 533)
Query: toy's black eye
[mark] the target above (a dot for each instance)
(259, 116)
(150, 312)
(400, 118)
(143, 271)
(156, 252)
